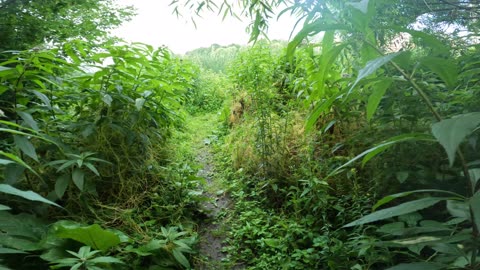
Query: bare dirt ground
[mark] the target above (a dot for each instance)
(210, 230)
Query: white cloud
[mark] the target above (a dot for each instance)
(156, 25)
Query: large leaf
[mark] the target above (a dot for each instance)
(21, 232)
(451, 132)
(326, 61)
(29, 195)
(93, 235)
(28, 120)
(78, 177)
(320, 108)
(106, 260)
(42, 96)
(374, 151)
(372, 66)
(458, 209)
(402, 209)
(61, 185)
(379, 90)
(446, 69)
(10, 251)
(391, 197)
(26, 146)
(181, 258)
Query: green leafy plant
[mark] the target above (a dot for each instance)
(76, 165)
(169, 249)
(86, 259)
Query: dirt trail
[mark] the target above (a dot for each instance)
(210, 230)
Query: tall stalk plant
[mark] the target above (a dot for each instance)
(453, 241)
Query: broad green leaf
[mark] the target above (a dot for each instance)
(106, 260)
(61, 185)
(320, 108)
(43, 98)
(107, 99)
(392, 228)
(475, 207)
(19, 243)
(446, 69)
(28, 120)
(272, 242)
(13, 173)
(4, 250)
(92, 168)
(391, 197)
(395, 211)
(66, 164)
(78, 177)
(93, 235)
(150, 247)
(374, 151)
(4, 207)
(25, 146)
(327, 59)
(139, 103)
(29, 195)
(418, 266)
(180, 258)
(458, 209)
(379, 90)
(451, 132)
(371, 67)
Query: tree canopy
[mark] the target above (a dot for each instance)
(27, 23)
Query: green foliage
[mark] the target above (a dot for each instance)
(25, 24)
(87, 128)
(208, 94)
(85, 259)
(215, 58)
(93, 236)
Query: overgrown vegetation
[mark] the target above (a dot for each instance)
(371, 103)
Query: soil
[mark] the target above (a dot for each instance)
(210, 234)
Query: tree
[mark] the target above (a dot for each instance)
(27, 23)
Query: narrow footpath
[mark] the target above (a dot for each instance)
(200, 137)
(211, 231)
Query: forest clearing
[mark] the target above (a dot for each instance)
(354, 145)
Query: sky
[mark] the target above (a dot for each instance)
(156, 25)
